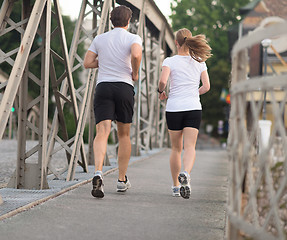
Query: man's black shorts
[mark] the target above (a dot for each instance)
(114, 101)
(180, 120)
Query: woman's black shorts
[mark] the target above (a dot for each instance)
(180, 120)
(114, 101)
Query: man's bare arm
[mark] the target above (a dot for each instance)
(136, 56)
(91, 60)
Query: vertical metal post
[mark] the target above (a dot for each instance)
(138, 86)
(265, 73)
(10, 125)
(136, 150)
(92, 116)
(157, 101)
(22, 115)
(235, 195)
(43, 123)
(265, 43)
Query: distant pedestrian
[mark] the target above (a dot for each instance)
(117, 54)
(183, 109)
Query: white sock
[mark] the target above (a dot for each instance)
(98, 173)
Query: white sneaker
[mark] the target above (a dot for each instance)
(184, 180)
(123, 186)
(175, 191)
(98, 190)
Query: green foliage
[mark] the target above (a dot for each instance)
(212, 18)
(11, 40)
(212, 106)
(277, 166)
(70, 122)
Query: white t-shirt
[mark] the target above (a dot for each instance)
(114, 54)
(185, 75)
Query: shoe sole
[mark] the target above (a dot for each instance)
(185, 192)
(122, 190)
(97, 183)
(182, 179)
(185, 188)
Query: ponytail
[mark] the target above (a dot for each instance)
(199, 48)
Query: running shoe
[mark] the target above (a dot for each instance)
(98, 190)
(184, 180)
(123, 186)
(175, 191)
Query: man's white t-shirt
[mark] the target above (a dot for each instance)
(185, 75)
(114, 54)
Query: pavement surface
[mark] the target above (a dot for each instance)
(146, 211)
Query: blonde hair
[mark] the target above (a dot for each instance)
(198, 46)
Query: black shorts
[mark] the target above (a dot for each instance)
(180, 120)
(114, 101)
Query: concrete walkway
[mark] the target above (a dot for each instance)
(146, 211)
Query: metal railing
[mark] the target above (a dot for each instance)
(257, 205)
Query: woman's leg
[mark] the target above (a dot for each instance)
(190, 138)
(175, 156)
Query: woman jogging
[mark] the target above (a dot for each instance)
(183, 109)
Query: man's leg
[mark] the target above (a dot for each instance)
(100, 149)
(100, 143)
(124, 152)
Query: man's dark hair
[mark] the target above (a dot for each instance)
(120, 16)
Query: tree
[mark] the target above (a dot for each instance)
(212, 18)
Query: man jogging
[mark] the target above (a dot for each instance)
(117, 54)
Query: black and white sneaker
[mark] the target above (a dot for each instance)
(98, 190)
(184, 180)
(123, 186)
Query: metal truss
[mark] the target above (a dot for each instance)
(148, 129)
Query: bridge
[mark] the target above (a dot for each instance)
(55, 162)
